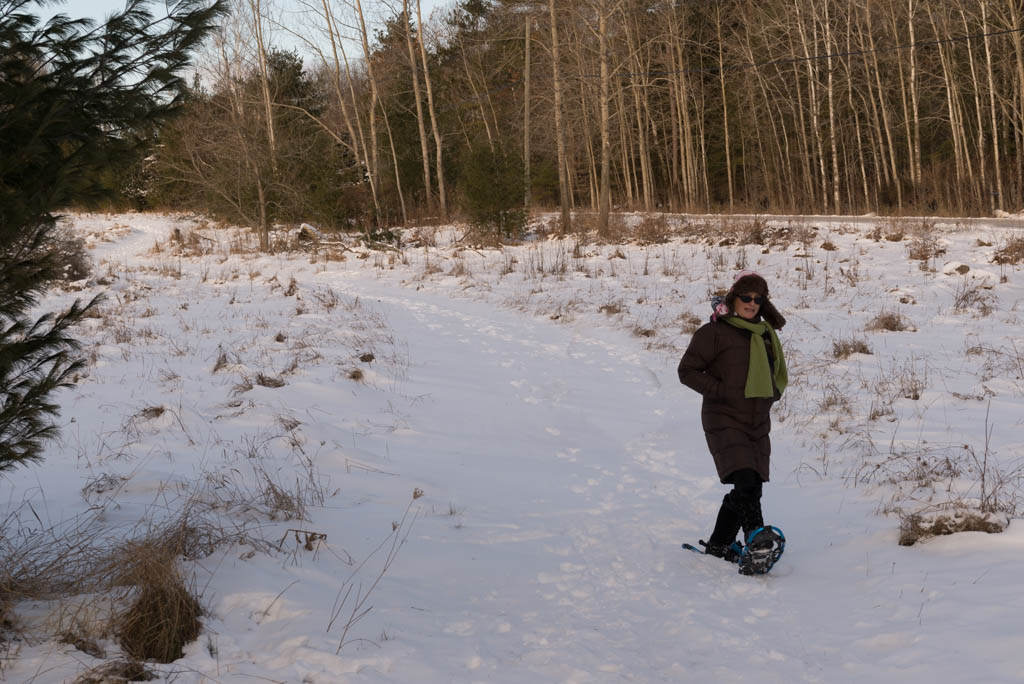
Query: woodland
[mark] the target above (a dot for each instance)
(371, 114)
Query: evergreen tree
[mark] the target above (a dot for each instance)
(74, 100)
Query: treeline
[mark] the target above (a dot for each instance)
(894, 106)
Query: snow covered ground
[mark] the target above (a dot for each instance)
(529, 393)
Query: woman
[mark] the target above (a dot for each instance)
(735, 362)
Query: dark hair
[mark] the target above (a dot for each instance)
(751, 282)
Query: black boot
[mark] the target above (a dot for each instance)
(727, 525)
(731, 552)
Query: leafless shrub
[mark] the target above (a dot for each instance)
(652, 230)
(969, 295)
(1010, 253)
(72, 256)
(293, 288)
(423, 236)
(431, 267)
(890, 321)
(895, 231)
(459, 268)
(753, 232)
(842, 349)
(924, 247)
(910, 379)
(327, 298)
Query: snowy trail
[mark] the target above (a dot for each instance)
(563, 466)
(567, 559)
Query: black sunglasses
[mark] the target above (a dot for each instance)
(746, 299)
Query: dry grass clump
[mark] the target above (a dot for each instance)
(83, 642)
(924, 247)
(690, 322)
(890, 321)
(842, 349)
(972, 296)
(132, 590)
(1011, 253)
(915, 527)
(163, 615)
(264, 380)
(187, 243)
(116, 672)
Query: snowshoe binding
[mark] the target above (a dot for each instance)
(728, 552)
(764, 548)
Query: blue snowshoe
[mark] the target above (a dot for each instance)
(763, 549)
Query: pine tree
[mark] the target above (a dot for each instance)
(73, 100)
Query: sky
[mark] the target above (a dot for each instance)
(98, 10)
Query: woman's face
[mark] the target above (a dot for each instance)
(747, 309)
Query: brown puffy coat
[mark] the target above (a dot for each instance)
(736, 428)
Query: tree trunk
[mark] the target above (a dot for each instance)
(420, 123)
(832, 113)
(526, 116)
(358, 143)
(433, 116)
(563, 181)
(725, 105)
(604, 194)
(261, 53)
(997, 200)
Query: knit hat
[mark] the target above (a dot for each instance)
(749, 281)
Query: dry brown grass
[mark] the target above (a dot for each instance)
(1011, 253)
(690, 322)
(163, 614)
(272, 381)
(842, 349)
(970, 296)
(890, 321)
(652, 230)
(103, 585)
(116, 672)
(915, 527)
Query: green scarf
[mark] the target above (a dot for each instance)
(759, 373)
